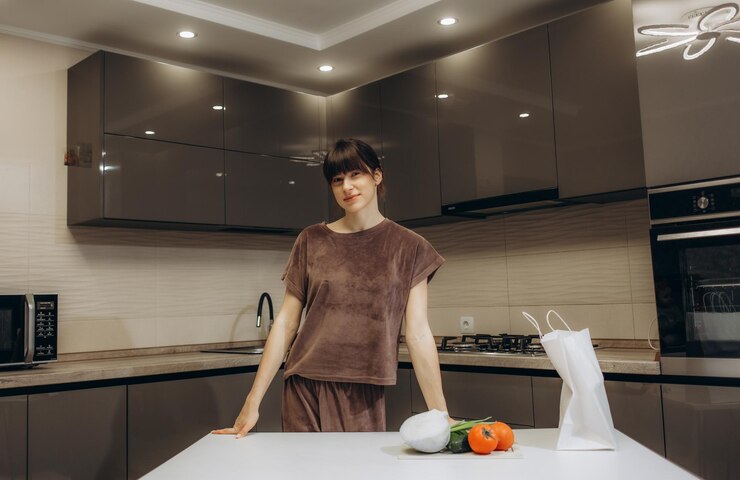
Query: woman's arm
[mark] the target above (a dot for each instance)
(278, 341)
(423, 348)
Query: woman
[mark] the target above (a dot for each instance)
(357, 278)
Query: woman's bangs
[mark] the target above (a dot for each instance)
(342, 161)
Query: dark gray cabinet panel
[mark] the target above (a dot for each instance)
(13, 415)
(166, 417)
(299, 128)
(411, 160)
(161, 181)
(356, 113)
(173, 102)
(507, 398)
(689, 108)
(77, 434)
(263, 191)
(701, 429)
(635, 408)
(597, 107)
(270, 417)
(398, 400)
(251, 119)
(486, 148)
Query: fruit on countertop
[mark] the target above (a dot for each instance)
(481, 439)
(504, 434)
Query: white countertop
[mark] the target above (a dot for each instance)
(308, 456)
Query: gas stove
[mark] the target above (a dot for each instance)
(501, 344)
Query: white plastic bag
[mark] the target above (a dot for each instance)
(585, 419)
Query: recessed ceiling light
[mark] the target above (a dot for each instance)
(326, 68)
(187, 34)
(218, 107)
(523, 115)
(442, 96)
(149, 132)
(447, 21)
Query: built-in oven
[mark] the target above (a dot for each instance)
(695, 242)
(28, 329)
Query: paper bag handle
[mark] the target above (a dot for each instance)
(534, 323)
(561, 319)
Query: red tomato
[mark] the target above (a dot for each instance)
(482, 439)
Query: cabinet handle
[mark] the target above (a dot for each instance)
(720, 232)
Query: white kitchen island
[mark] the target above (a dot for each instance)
(309, 456)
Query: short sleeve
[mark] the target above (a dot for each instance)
(426, 262)
(295, 274)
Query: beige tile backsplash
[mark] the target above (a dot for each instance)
(130, 288)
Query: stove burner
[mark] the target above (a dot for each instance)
(503, 343)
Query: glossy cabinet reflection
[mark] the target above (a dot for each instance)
(487, 148)
(166, 417)
(689, 107)
(356, 113)
(173, 103)
(263, 191)
(271, 121)
(411, 159)
(77, 434)
(161, 181)
(13, 437)
(701, 429)
(398, 400)
(597, 108)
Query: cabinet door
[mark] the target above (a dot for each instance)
(411, 159)
(251, 118)
(161, 181)
(166, 417)
(398, 400)
(597, 108)
(690, 107)
(701, 429)
(77, 434)
(486, 148)
(13, 415)
(635, 407)
(173, 102)
(299, 128)
(273, 192)
(470, 395)
(271, 419)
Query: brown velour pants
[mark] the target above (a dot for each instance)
(317, 406)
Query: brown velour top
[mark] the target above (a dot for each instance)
(354, 287)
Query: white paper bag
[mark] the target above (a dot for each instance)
(585, 418)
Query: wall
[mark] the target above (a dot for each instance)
(127, 288)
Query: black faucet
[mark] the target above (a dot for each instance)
(264, 296)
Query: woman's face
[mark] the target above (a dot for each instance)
(356, 189)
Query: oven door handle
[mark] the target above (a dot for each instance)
(719, 232)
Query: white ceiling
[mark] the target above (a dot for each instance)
(282, 42)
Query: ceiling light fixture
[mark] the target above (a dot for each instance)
(523, 115)
(447, 21)
(187, 34)
(442, 96)
(711, 26)
(326, 68)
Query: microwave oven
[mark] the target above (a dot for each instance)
(28, 329)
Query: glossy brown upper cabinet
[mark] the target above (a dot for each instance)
(411, 160)
(271, 121)
(356, 113)
(153, 100)
(689, 96)
(595, 96)
(495, 119)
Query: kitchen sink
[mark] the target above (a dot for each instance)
(252, 350)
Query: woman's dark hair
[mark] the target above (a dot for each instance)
(350, 154)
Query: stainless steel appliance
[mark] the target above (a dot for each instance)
(501, 344)
(28, 329)
(695, 242)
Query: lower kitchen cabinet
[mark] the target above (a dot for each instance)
(166, 417)
(471, 395)
(78, 434)
(635, 408)
(398, 400)
(701, 429)
(13, 437)
(271, 419)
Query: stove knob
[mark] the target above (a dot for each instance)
(702, 202)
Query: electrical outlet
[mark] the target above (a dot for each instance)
(467, 325)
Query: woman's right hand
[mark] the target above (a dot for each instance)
(245, 422)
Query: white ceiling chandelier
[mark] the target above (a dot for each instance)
(717, 22)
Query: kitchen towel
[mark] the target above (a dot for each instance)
(585, 418)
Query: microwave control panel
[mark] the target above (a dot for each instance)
(46, 328)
